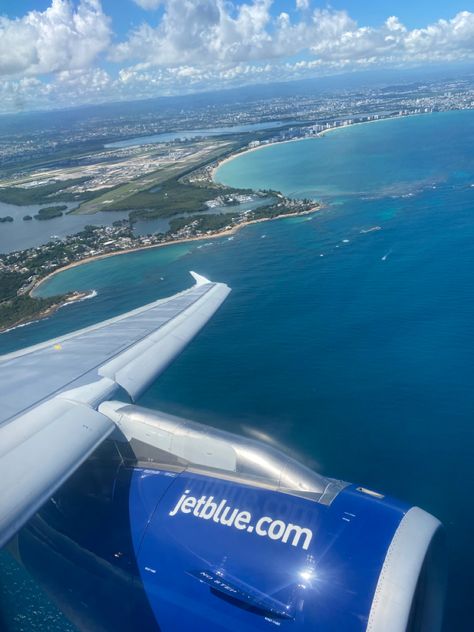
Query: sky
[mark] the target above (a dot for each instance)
(59, 53)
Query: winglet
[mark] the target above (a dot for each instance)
(200, 280)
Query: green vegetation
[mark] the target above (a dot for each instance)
(55, 254)
(7, 218)
(217, 222)
(267, 212)
(23, 308)
(172, 198)
(50, 212)
(10, 283)
(202, 222)
(16, 309)
(41, 194)
(127, 196)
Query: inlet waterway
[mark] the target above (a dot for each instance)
(21, 234)
(167, 137)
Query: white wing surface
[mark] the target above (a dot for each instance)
(49, 393)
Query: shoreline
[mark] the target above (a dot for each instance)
(217, 235)
(184, 240)
(71, 298)
(320, 134)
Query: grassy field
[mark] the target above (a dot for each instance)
(160, 193)
(40, 194)
(128, 196)
(173, 198)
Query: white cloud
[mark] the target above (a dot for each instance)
(202, 32)
(61, 37)
(148, 5)
(302, 5)
(203, 44)
(443, 37)
(68, 87)
(393, 24)
(205, 30)
(442, 41)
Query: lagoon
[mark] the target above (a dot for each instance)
(168, 137)
(20, 234)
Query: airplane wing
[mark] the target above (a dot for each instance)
(49, 393)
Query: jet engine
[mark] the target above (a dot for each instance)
(231, 534)
(173, 525)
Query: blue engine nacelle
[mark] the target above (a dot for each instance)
(230, 534)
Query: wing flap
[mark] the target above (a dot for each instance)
(49, 393)
(32, 375)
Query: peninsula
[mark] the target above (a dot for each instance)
(22, 272)
(157, 166)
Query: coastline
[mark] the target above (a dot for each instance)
(74, 297)
(320, 134)
(217, 234)
(235, 228)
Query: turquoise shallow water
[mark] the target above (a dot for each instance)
(359, 361)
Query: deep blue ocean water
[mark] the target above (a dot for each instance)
(354, 350)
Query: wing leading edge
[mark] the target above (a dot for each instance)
(49, 393)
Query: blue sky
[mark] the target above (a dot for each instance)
(68, 52)
(413, 13)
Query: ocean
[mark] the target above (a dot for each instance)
(348, 336)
